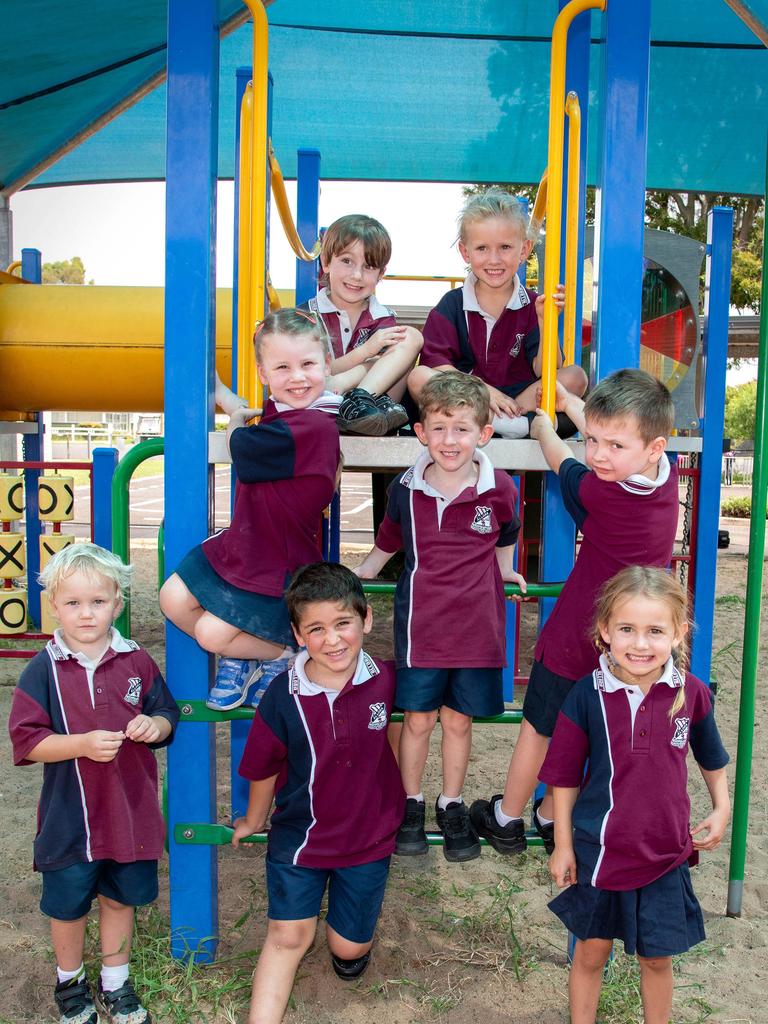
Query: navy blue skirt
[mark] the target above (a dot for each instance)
(258, 614)
(660, 919)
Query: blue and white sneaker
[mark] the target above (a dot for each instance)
(262, 675)
(228, 691)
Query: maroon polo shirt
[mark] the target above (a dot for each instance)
(457, 334)
(339, 800)
(286, 476)
(91, 810)
(631, 819)
(342, 335)
(621, 524)
(449, 601)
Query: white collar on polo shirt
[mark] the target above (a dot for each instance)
(366, 669)
(326, 305)
(414, 477)
(639, 484)
(604, 679)
(517, 299)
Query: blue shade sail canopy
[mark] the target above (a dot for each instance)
(394, 91)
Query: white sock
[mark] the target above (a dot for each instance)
(443, 801)
(418, 797)
(69, 975)
(542, 820)
(502, 818)
(511, 427)
(113, 978)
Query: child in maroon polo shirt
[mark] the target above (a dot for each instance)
(624, 839)
(492, 326)
(228, 591)
(371, 354)
(455, 516)
(625, 503)
(319, 745)
(92, 707)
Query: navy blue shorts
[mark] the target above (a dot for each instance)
(660, 919)
(260, 615)
(69, 892)
(355, 895)
(544, 696)
(476, 692)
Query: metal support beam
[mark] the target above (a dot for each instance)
(307, 219)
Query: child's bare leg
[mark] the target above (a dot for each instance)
(218, 637)
(285, 945)
(393, 364)
(417, 378)
(414, 748)
(457, 743)
(68, 939)
(586, 978)
(656, 988)
(179, 604)
(339, 383)
(116, 930)
(343, 948)
(573, 379)
(523, 774)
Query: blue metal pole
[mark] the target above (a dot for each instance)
(511, 611)
(190, 306)
(717, 299)
(307, 219)
(104, 466)
(620, 212)
(32, 451)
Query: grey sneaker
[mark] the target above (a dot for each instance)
(75, 1002)
(122, 1006)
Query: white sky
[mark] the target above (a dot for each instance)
(118, 232)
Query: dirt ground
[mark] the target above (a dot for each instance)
(456, 943)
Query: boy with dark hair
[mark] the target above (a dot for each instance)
(455, 516)
(92, 707)
(625, 503)
(319, 746)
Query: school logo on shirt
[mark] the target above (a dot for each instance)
(515, 350)
(482, 521)
(680, 738)
(133, 696)
(378, 715)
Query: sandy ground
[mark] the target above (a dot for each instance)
(457, 944)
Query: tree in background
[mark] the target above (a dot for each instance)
(685, 213)
(65, 272)
(740, 402)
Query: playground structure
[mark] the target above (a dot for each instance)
(189, 361)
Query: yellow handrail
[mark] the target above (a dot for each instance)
(284, 210)
(12, 267)
(554, 192)
(573, 111)
(244, 323)
(453, 281)
(539, 206)
(274, 298)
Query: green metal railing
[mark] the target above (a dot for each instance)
(121, 542)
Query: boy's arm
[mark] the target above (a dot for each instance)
(715, 823)
(261, 794)
(373, 563)
(553, 448)
(148, 729)
(374, 345)
(572, 406)
(98, 745)
(559, 298)
(505, 557)
(562, 863)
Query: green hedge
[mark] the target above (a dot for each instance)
(738, 508)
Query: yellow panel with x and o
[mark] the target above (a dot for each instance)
(11, 497)
(13, 561)
(56, 498)
(13, 611)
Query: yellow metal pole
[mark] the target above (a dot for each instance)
(539, 206)
(284, 210)
(13, 267)
(244, 325)
(573, 110)
(554, 192)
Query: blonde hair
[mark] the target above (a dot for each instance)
(657, 585)
(448, 390)
(494, 202)
(89, 559)
(295, 323)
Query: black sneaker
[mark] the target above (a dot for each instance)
(411, 838)
(565, 427)
(547, 832)
(397, 415)
(350, 969)
(75, 1002)
(460, 840)
(507, 838)
(359, 414)
(122, 1006)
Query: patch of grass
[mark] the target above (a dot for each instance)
(620, 1001)
(726, 662)
(737, 508)
(435, 998)
(729, 599)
